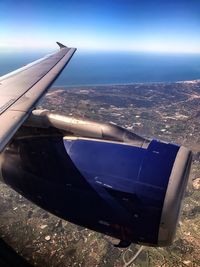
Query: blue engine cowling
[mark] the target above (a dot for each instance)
(129, 192)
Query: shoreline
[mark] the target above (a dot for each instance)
(196, 81)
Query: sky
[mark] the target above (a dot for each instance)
(108, 25)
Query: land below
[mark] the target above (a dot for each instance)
(165, 111)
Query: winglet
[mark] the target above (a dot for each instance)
(61, 45)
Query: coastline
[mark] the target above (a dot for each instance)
(196, 81)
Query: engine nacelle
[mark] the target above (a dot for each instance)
(132, 193)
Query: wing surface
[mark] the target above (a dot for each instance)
(20, 90)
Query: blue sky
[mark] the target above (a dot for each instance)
(125, 25)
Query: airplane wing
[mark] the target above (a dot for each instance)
(20, 90)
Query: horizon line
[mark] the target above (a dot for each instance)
(94, 49)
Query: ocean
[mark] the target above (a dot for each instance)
(96, 68)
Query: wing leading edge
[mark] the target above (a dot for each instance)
(20, 90)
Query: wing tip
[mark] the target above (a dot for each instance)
(61, 45)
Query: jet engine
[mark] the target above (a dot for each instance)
(99, 176)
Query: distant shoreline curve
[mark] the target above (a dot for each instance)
(124, 84)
